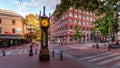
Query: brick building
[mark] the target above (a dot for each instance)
(63, 28)
(11, 26)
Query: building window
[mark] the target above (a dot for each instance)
(75, 15)
(70, 14)
(80, 22)
(63, 17)
(90, 13)
(87, 12)
(71, 27)
(70, 8)
(71, 21)
(75, 21)
(66, 15)
(80, 16)
(0, 29)
(13, 22)
(80, 10)
(0, 21)
(13, 30)
(83, 17)
(87, 18)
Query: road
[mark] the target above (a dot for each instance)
(82, 53)
(93, 57)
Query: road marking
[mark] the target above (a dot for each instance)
(104, 57)
(108, 60)
(78, 47)
(21, 50)
(26, 51)
(116, 65)
(88, 57)
(7, 53)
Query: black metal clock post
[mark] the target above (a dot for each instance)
(44, 24)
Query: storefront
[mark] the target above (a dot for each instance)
(7, 40)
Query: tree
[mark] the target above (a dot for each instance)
(33, 19)
(105, 9)
(77, 34)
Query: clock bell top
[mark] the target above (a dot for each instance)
(44, 15)
(44, 20)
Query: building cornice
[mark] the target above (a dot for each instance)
(10, 15)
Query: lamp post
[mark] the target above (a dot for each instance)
(44, 25)
(30, 28)
(97, 45)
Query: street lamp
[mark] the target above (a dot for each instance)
(30, 28)
(97, 45)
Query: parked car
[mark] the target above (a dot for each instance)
(114, 46)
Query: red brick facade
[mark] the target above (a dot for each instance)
(63, 28)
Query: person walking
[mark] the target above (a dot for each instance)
(117, 43)
(109, 46)
(97, 46)
(36, 49)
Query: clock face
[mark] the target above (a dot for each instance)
(44, 23)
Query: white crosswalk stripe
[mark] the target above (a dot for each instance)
(79, 47)
(26, 51)
(103, 58)
(20, 51)
(109, 60)
(16, 51)
(96, 55)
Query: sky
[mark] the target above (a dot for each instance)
(24, 7)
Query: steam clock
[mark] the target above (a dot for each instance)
(44, 24)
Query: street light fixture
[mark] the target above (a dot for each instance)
(30, 28)
(97, 45)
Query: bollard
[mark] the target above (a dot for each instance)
(35, 51)
(61, 56)
(53, 53)
(3, 52)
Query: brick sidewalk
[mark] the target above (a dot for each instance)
(23, 61)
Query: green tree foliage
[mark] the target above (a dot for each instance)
(107, 11)
(103, 25)
(77, 34)
(33, 19)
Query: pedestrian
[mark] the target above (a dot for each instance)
(36, 48)
(97, 46)
(109, 46)
(36, 51)
(31, 52)
(117, 43)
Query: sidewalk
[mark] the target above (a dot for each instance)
(23, 61)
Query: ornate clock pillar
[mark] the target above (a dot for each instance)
(44, 24)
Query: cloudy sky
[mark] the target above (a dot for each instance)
(24, 7)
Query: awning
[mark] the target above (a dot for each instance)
(11, 36)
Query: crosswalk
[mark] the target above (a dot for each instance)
(80, 47)
(104, 59)
(16, 51)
